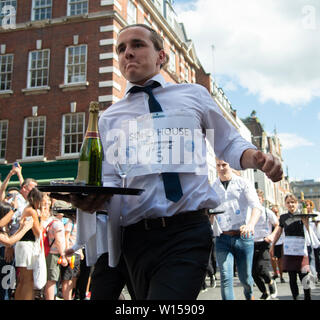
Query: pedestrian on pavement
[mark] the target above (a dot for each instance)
(276, 259)
(166, 233)
(235, 242)
(313, 224)
(295, 258)
(7, 270)
(263, 237)
(24, 247)
(70, 273)
(56, 256)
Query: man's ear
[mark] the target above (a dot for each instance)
(162, 57)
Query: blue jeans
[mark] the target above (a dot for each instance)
(228, 249)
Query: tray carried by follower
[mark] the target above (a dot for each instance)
(69, 188)
(303, 215)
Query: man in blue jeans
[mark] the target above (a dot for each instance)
(235, 241)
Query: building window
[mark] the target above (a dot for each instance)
(186, 77)
(169, 15)
(3, 138)
(41, 9)
(34, 137)
(76, 64)
(158, 4)
(38, 75)
(6, 68)
(76, 7)
(172, 61)
(73, 132)
(4, 3)
(131, 13)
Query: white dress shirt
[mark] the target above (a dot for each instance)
(235, 201)
(264, 225)
(197, 192)
(91, 234)
(193, 100)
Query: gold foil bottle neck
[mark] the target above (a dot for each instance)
(94, 106)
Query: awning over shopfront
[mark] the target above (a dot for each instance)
(43, 172)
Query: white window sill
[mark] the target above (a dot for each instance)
(74, 86)
(3, 161)
(32, 159)
(38, 90)
(68, 156)
(6, 93)
(40, 23)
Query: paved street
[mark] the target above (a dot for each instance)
(284, 292)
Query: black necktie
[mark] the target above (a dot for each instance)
(171, 180)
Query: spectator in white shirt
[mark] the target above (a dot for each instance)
(235, 241)
(263, 237)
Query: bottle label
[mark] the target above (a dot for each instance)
(92, 134)
(83, 170)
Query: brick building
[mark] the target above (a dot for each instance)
(274, 192)
(58, 55)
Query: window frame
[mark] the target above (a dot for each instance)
(3, 3)
(76, 2)
(66, 72)
(37, 69)
(64, 134)
(172, 61)
(5, 140)
(33, 10)
(131, 19)
(6, 72)
(25, 137)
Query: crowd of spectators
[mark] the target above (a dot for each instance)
(25, 215)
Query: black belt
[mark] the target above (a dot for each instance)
(163, 222)
(102, 212)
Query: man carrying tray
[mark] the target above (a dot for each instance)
(164, 233)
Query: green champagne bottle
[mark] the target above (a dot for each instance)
(90, 161)
(304, 205)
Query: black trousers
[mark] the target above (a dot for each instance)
(168, 262)
(83, 278)
(294, 286)
(261, 265)
(106, 282)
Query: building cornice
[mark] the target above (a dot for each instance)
(30, 25)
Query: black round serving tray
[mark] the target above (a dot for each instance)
(69, 188)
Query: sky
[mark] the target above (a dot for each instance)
(265, 55)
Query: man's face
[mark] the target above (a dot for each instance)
(138, 58)
(261, 199)
(291, 205)
(27, 188)
(223, 169)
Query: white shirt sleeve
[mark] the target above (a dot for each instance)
(228, 144)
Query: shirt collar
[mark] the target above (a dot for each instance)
(157, 78)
